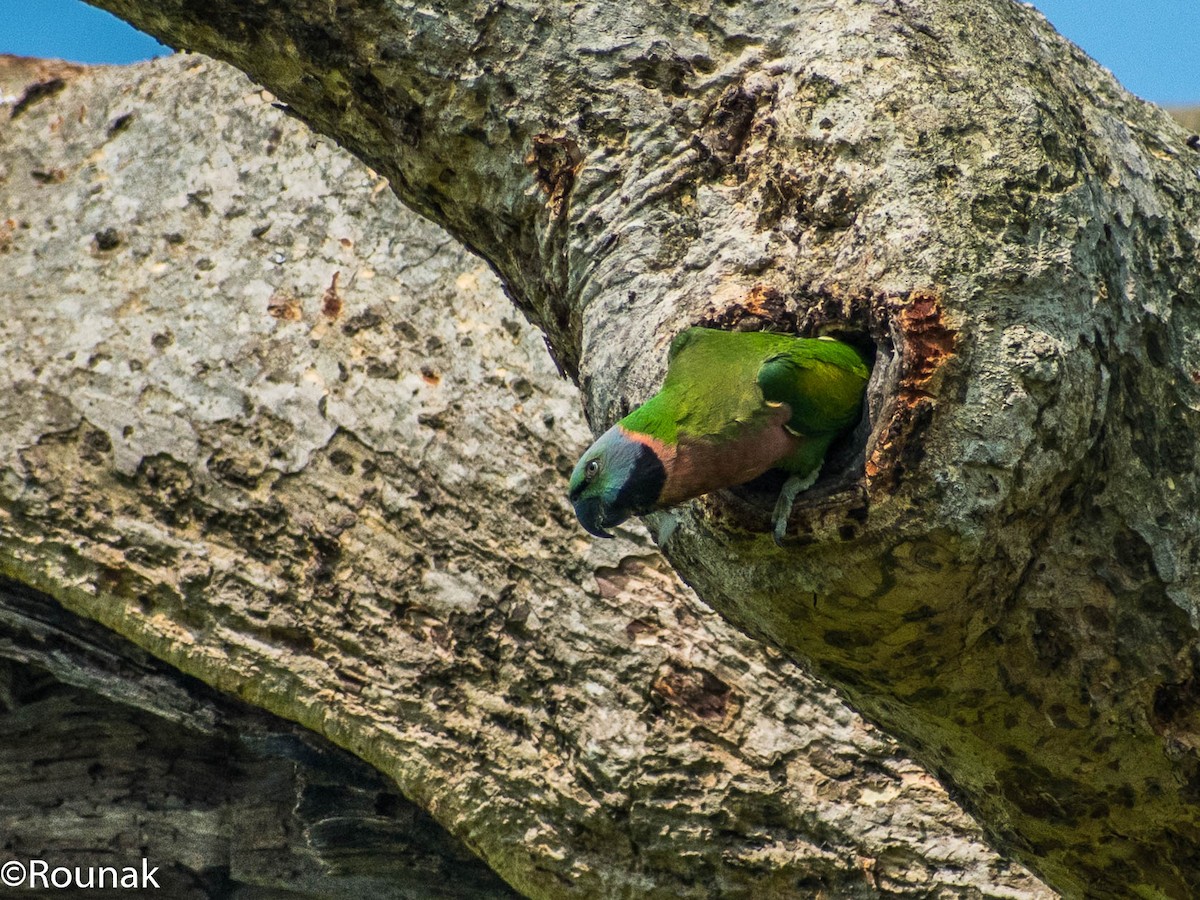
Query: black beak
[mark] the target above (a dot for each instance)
(591, 514)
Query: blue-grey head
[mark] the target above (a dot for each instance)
(618, 477)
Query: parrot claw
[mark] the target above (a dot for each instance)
(787, 496)
(663, 525)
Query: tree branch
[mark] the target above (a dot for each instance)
(339, 496)
(1010, 582)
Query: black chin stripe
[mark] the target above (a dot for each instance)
(641, 491)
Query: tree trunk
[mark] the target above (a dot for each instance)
(1009, 581)
(285, 436)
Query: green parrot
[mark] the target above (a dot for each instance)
(733, 405)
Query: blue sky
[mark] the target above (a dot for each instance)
(72, 30)
(1153, 46)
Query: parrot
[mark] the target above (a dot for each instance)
(732, 406)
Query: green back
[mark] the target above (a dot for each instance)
(717, 382)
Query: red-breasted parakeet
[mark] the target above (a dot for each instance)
(733, 405)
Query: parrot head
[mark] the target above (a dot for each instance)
(619, 476)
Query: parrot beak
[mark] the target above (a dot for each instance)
(591, 514)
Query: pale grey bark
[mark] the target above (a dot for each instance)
(1010, 582)
(285, 436)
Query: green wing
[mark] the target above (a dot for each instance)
(717, 381)
(821, 380)
(711, 390)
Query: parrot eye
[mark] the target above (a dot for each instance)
(593, 467)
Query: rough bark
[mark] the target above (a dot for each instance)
(108, 755)
(1009, 582)
(287, 437)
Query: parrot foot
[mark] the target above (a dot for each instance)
(787, 496)
(663, 524)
